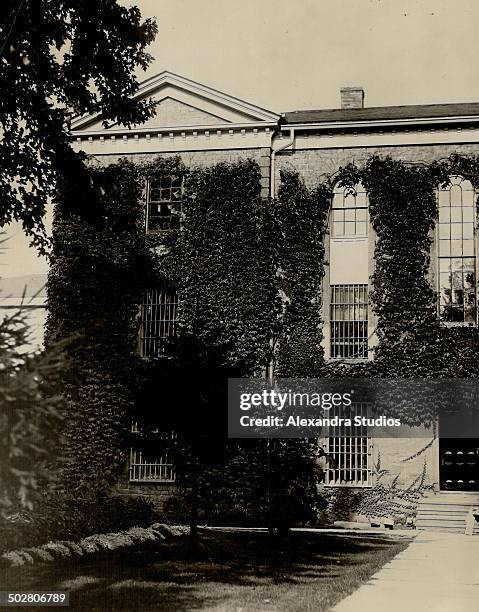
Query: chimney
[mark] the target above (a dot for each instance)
(352, 97)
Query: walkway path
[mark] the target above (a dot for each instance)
(438, 572)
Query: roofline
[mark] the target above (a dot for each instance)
(204, 91)
(368, 123)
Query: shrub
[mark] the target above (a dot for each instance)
(344, 504)
(63, 518)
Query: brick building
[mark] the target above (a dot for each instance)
(204, 126)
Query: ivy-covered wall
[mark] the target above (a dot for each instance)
(254, 296)
(99, 267)
(410, 341)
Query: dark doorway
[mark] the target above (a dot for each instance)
(459, 464)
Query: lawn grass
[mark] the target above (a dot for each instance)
(237, 571)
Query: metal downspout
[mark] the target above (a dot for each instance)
(283, 146)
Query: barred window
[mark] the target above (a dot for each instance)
(349, 212)
(349, 321)
(159, 313)
(348, 454)
(457, 253)
(164, 199)
(147, 465)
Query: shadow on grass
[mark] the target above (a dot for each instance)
(231, 568)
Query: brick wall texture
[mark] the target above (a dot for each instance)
(317, 164)
(202, 159)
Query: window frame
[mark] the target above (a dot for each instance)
(344, 191)
(364, 287)
(341, 452)
(447, 187)
(161, 470)
(166, 202)
(152, 339)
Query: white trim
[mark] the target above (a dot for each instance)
(372, 123)
(174, 142)
(166, 130)
(392, 138)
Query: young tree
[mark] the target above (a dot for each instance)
(31, 417)
(61, 58)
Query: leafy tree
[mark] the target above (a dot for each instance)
(61, 58)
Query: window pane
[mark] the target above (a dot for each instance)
(361, 228)
(338, 215)
(361, 214)
(349, 228)
(444, 197)
(456, 248)
(456, 215)
(456, 195)
(444, 230)
(349, 201)
(444, 215)
(468, 197)
(338, 200)
(349, 214)
(456, 231)
(445, 248)
(468, 248)
(468, 215)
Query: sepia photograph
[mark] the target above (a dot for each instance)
(239, 343)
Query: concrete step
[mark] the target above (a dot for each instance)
(446, 511)
(446, 507)
(451, 501)
(444, 516)
(453, 498)
(432, 525)
(443, 519)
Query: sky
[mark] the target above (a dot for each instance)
(292, 54)
(296, 54)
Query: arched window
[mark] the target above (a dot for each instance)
(457, 253)
(349, 212)
(349, 275)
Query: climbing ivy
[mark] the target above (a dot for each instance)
(100, 258)
(302, 221)
(249, 274)
(411, 341)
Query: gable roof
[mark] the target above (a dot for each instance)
(384, 113)
(222, 106)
